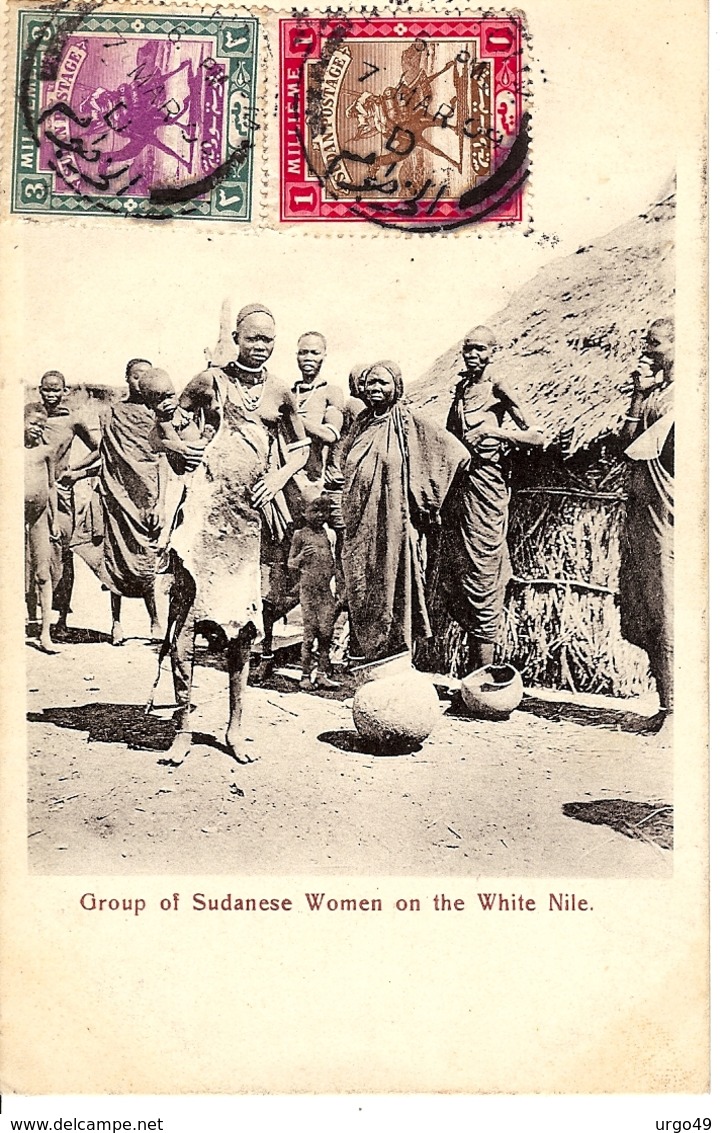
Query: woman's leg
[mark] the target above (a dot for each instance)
(481, 653)
(239, 660)
(40, 557)
(117, 636)
(151, 606)
(270, 617)
(182, 658)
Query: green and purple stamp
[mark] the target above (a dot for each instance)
(139, 115)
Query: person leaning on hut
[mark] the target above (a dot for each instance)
(398, 470)
(646, 577)
(233, 509)
(474, 554)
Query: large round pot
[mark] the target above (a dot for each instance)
(397, 713)
(493, 691)
(379, 670)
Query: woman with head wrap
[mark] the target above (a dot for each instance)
(234, 513)
(399, 468)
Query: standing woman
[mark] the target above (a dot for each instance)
(646, 576)
(234, 507)
(399, 468)
(474, 552)
(117, 532)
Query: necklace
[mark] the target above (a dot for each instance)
(249, 393)
(251, 396)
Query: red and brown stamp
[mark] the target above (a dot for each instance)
(414, 123)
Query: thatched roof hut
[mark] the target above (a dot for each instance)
(569, 339)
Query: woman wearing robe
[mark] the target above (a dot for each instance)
(646, 577)
(474, 553)
(398, 471)
(117, 532)
(233, 508)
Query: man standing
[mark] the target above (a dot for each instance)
(61, 428)
(646, 578)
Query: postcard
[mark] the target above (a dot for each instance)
(355, 697)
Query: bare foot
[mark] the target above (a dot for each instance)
(665, 731)
(324, 681)
(178, 750)
(305, 683)
(45, 643)
(236, 742)
(117, 637)
(156, 633)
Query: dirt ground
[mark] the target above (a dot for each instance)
(560, 788)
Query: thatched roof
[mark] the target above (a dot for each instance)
(571, 336)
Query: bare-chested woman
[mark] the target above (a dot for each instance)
(474, 549)
(41, 524)
(234, 506)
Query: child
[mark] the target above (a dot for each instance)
(311, 554)
(41, 524)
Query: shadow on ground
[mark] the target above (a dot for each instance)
(77, 636)
(347, 740)
(650, 822)
(111, 724)
(587, 715)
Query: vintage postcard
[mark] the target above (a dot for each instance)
(354, 707)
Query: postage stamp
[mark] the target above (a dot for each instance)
(415, 122)
(140, 115)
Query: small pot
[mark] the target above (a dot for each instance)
(492, 692)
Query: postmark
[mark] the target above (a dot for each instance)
(138, 115)
(415, 122)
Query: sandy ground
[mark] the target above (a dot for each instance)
(479, 798)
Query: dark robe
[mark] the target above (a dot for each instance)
(117, 533)
(646, 577)
(475, 567)
(398, 471)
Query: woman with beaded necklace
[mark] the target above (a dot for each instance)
(232, 510)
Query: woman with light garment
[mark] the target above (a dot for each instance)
(398, 470)
(474, 555)
(646, 576)
(232, 508)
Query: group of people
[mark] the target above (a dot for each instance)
(254, 495)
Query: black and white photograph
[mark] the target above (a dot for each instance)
(284, 618)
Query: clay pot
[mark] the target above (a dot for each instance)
(396, 713)
(493, 691)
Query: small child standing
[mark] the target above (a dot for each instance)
(41, 523)
(312, 556)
